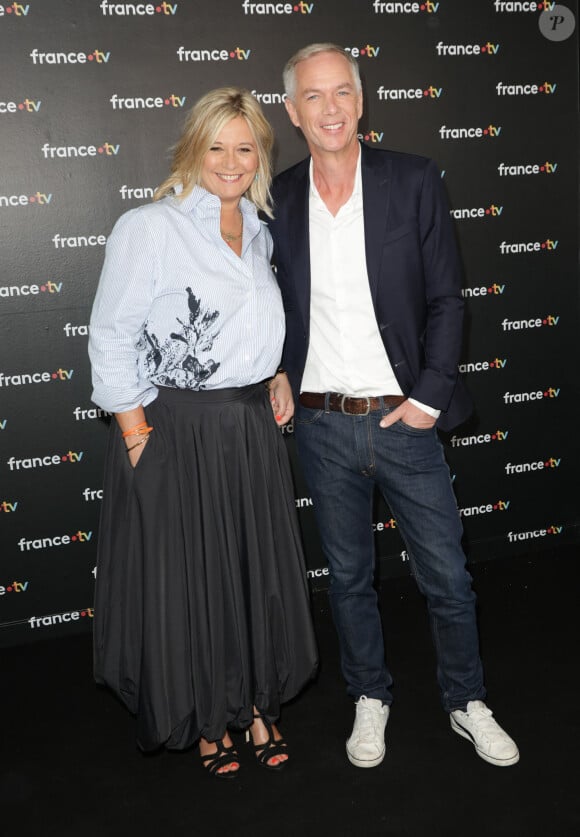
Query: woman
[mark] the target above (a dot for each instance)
(202, 619)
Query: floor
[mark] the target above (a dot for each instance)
(69, 765)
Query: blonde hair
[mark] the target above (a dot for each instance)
(203, 124)
(289, 72)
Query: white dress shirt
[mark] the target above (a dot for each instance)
(345, 353)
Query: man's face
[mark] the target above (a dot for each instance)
(327, 105)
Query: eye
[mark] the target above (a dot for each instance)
(215, 148)
(246, 150)
(312, 97)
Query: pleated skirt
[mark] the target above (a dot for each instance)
(202, 608)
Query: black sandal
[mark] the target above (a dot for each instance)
(222, 757)
(272, 747)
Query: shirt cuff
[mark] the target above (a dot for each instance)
(431, 411)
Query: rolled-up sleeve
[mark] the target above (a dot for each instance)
(120, 309)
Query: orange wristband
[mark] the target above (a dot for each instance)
(133, 429)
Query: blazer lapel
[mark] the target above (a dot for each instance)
(299, 238)
(376, 176)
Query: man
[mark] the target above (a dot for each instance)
(370, 277)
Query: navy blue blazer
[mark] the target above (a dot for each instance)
(413, 268)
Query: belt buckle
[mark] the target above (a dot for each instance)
(360, 397)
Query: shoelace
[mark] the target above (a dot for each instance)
(368, 722)
(486, 725)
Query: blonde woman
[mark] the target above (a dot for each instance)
(202, 620)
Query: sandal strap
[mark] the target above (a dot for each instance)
(222, 757)
(264, 752)
(272, 746)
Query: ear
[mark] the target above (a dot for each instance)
(291, 111)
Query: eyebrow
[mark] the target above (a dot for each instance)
(243, 142)
(348, 84)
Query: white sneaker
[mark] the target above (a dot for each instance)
(366, 745)
(491, 742)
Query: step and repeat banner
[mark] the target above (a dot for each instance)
(93, 94)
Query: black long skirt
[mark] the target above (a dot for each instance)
(201, 606)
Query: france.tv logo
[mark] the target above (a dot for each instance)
(97, 56)
(140, 9)
(15, 9)
(27, 105)
(301, 8)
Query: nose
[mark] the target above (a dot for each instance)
(330, 105)
(230, 159)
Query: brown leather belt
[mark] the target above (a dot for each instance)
(350, 405)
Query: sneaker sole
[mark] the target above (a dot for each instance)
(365, 762)
(489, 759)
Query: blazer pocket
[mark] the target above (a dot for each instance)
(399, 232)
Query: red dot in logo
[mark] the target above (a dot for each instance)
(490, 290)
(541, 88)
(484, 49)
(495, 506)
(543, 246)
(491, 365)
(9, 10)
(9, 589)
(295, 8)
(32, 199)
(100, 149)
(425, 92)
(544, 322)
(487, 211)
(232, 54)
(165, 101)
(485, 131)
(54, 376)
(363, 52)
(542, 168)
(83, 613)
(367, 137)
(21, 106)
(91, 57)
(158, 9)
(43, 287)
(73, 537)
(545, 395)
(422, 7)
(493, 436)
(63, 459)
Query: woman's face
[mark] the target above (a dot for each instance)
(231, 163)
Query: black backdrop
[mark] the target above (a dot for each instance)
(92, 94)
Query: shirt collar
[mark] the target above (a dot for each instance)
(204, 204)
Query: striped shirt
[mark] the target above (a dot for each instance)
(176, 307)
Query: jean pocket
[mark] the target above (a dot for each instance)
(414, 431)
(307, 415)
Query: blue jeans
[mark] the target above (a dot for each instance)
(343, 457)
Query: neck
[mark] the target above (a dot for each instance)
(334, 175)
(230, 211)
(336, 169)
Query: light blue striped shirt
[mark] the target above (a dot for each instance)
(176, 307)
